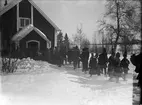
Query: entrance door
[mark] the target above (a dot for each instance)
(33, 47)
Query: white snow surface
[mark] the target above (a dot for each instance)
(46, 84)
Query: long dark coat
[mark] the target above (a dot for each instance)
(92, 65)
(103, 59)
(84, 58)
(136, 61)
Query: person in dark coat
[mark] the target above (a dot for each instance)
(93, 64)
(62, 55)
(136, 61)
(117, 70)
(54, 56)
(102, 61)
(79, 60)
(84, 58)
(111, 64)
(124, 65)
(58, 56)
(75, 57)
(69, 54)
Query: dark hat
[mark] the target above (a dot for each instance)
(117, 54)
(112, 52)
(104, 49)
(85, 48)
(125, 54)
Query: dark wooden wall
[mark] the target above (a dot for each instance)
(42, 24)
(8, 28)
(33, 36)
(25, 9)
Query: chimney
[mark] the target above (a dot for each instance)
(5, 3)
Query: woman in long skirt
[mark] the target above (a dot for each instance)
(93, 64)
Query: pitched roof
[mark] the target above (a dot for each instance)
(15, 2)
(26, 30)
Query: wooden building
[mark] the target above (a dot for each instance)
(26, 30)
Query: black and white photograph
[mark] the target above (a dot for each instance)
(70, 52)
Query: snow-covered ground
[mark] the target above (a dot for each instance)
(47, 84)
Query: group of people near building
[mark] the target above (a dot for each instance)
(110, 66)
(97, 64)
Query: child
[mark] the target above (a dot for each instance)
(124, 65)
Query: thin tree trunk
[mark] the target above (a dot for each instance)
(118, 25)
(141, 25)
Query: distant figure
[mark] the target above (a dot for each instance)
(84, 59)
(55, 56)
(75, 57)
(117, 70)
(69, 54)
(111, 64)
(102, 61)
(124, 64)
(62, 55)
(58, 58)
(79, 60)
(93, 64)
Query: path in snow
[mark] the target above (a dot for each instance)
(63, 86)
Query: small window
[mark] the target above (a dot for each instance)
(21, 22)
(24, 22)
(27, 22)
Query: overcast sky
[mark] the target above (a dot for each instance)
(68, 14)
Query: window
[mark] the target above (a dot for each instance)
(24, 22)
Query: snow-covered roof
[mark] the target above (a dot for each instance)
(15, 2)
(9, 6)
(26, 30)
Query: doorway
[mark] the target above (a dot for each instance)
(33, 47)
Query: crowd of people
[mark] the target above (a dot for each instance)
(110, 66)
(97, 64)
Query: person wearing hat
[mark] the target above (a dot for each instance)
(84, 59)
(124, 64)
(111, 65)
(102, 62)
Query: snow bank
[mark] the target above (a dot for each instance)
(65, 86)
(29, 65)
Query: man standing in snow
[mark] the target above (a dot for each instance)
(124, 64)
(102, 61)
(84, 58)
(111, 64)
(75, 56)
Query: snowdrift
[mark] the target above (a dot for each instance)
(28, 65)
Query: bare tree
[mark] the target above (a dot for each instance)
(126, 16)
(66, 42)
(79, 36)
(85, 43)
